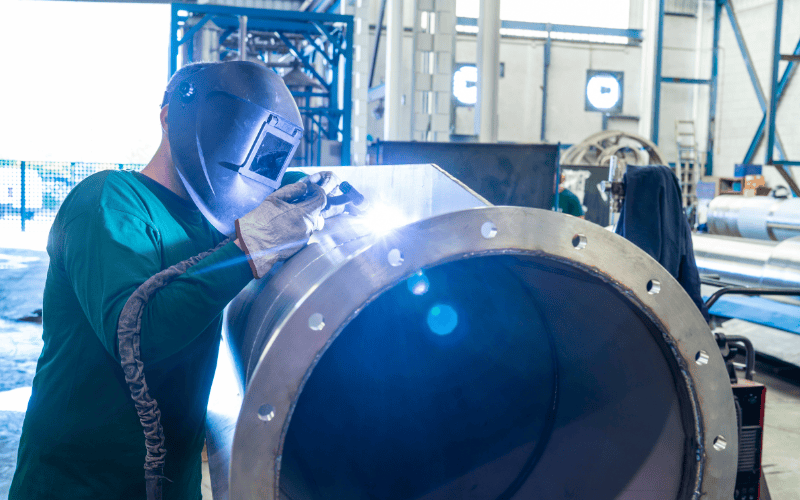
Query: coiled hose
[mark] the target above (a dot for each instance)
(129, 341)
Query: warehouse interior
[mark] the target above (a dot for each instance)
(553, 252)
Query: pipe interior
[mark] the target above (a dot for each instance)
(493, 377)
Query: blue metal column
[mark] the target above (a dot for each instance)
(174, 46)
(347, 104)
(22, 189)
(773, 99)
(547, 46)
(787, 75)
(748, 62)
(657, 75)
(712, 89)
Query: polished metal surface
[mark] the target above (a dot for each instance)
(749, 262)
(758, 217)
(495, 352)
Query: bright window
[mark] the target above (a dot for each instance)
(82, 81)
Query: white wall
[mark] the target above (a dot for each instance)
(738, 110)
(520, 90)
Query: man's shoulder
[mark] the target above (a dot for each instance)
(106, 190)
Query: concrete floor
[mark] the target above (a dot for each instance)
(22, 273)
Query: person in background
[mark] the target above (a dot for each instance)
(130, 248)
(568, 203)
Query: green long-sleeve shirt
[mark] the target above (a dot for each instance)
(82, 438)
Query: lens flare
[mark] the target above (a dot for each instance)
(418, 284)
(442, 319)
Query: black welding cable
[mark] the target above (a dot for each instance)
(129, 341)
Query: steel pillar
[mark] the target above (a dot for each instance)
(488, 72)
(657, 74)
(394, 71)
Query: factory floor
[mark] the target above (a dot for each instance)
(22, 274)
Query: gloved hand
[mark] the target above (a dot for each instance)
(328, 181)
(281, 225)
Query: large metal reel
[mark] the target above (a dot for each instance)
(499, 352)
(630, 149)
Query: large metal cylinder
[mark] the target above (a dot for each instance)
(498, 352)
(759, 217)
(748, 262)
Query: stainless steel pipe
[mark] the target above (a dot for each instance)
(759, 217)
(495, 352)
(749, 262)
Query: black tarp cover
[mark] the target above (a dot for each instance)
(652, 217)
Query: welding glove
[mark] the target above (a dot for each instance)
(328, 181)
(281, 225)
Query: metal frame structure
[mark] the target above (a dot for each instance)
(659, 78)
(777, 88)
(320, 43)
(768, 107)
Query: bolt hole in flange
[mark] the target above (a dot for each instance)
(579, 241)
(488, 230)
(720, 443)
(653, 287)
(395, 257)
(316, 322)
(266, 412)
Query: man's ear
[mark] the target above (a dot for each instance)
(164, 126)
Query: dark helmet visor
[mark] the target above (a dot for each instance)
(245, 138)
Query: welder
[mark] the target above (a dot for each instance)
(568, 202)
(131, 248)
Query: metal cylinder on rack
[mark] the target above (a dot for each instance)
(749, 262)
(758, 217)
(494, 352)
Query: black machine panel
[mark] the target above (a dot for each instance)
(505, 174)
(750, 418)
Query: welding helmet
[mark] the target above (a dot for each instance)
(233, 129)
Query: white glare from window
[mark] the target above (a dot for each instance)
(603, 91)
(465, 85)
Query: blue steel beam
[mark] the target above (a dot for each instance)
(558, 28)
(348, 91)
(788, 73)
(748, 62)
(173, 40)
(773, 100)
(712, 93)
(696, 81)
(283, 15)
(656, 118)
(299, 55)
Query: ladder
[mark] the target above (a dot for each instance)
(687, 164)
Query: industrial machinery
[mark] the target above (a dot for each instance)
(436, 347)
(604, 158)
(629, 149)
(759, 217)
